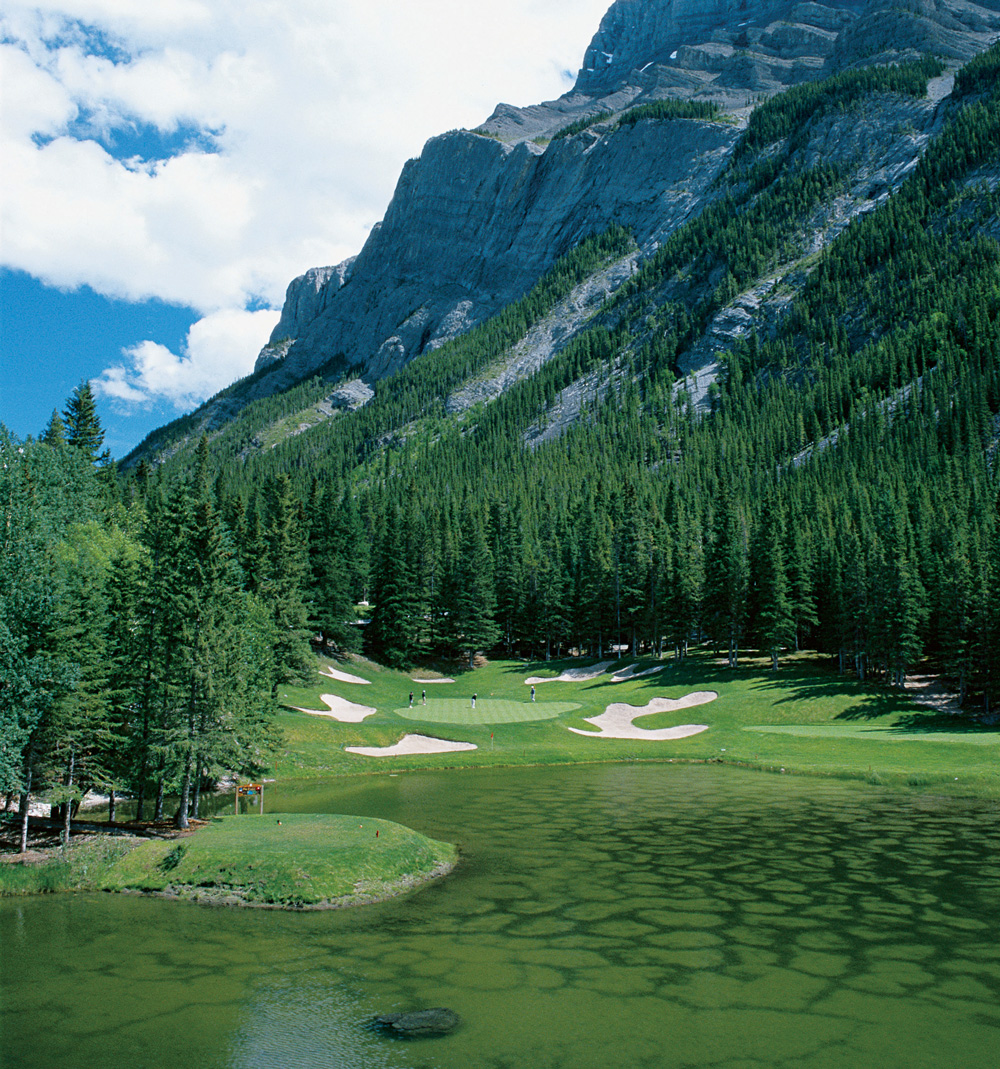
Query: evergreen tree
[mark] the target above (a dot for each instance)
(985, 617)
(83, 427)
(726, 578)
(799, 566)
(79, 743)
(774, 623)
(899, 591)
(281, 575)
(391, 635)
(331, 596)
(205, 607)
(42, 491)
(475, 595)
(55, 430)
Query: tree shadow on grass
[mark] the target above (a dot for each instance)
(805, 686)
(874, 706)
(930, 723)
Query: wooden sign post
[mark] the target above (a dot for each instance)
(249, 790)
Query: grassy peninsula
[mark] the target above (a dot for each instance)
(291, 861)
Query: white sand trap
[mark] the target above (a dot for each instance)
(340, 709)
(631, 673)
(423, 681)
(573, 675)
(616, 721)
(412, 744)
(343, 677)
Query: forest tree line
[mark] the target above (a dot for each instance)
(136, 655)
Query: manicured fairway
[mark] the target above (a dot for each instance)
(879, 733)
(487, 711)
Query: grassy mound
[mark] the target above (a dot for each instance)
(280, 860)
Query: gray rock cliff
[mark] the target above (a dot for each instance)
(482, 214)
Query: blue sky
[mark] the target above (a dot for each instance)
(52, 340)
(170, 167)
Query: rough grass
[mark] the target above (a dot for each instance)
(288, 860)
(81, 868)
(804, 718)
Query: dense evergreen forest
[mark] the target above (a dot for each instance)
(135, 655)
(839, 492)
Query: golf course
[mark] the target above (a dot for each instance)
(803, 719)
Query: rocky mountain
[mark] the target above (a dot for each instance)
(482, 214)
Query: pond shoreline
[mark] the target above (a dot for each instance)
(216, 898)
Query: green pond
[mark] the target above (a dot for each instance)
(602, 916)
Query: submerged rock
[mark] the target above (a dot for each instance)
(418, 1023)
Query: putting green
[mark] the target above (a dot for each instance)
(487, 711)
(879, 733)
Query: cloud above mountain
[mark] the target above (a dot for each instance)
(204, 152)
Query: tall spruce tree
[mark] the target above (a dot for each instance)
(774, 623)
(391, 635)
(83, 427)
(726, 578)
(475, 595)
(331, 593)
(281, 578)
(55, 430)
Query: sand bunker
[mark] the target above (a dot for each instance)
(631, 673)
(573, 675)
(616, 721)
(340, 709)
(423, 681)
(412, 744)
(343, 677)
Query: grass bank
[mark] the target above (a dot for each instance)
(292, 861)
(804, 718)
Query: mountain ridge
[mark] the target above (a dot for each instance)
(479, 217)
(542, 193)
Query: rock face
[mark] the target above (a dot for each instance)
(474, 222)
(481, 215)
(306, 298)
(702, 36)
(418, 1024)
(726, 44)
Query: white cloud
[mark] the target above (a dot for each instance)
(220, 347)
(313, 107)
